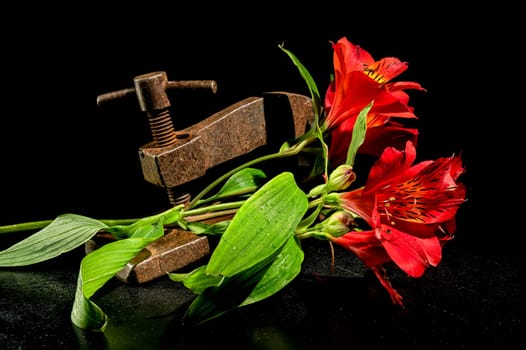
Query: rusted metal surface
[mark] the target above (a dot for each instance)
(230, 133)
(175, 157)
(176, 249)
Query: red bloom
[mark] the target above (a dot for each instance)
(410, 208)
(358, 80)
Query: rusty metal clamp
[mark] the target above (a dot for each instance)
(174, 158)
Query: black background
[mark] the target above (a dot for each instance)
(62, 153)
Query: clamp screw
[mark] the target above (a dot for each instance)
(150, 89)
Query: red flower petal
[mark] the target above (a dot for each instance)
(412, 254)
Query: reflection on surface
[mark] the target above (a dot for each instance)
(467, 300)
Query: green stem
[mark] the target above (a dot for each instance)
(317, 234)
(37, 225)
(26, 226)
(213, 208)
(315, 202)
(211, 215)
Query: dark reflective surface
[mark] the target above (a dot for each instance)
(469, 300)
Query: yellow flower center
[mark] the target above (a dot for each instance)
(373, 74)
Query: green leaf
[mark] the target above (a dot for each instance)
(215, 301)
(197, 280)
(65, 233)
(260, 227)
(102, 264)
(283, 270)
(244, 181)
(219, 296)
(170, 216)
(85, 314)
(358, 134)
(201, 228)
(311, 84)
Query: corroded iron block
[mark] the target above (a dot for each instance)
(176, 249)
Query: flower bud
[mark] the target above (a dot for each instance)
(341, 178)
(316, 191)
(338, 223)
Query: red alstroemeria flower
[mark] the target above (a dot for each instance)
(410, 208)
(358, 80)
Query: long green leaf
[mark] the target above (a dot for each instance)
(283, 270)
(247, 287)
(217, 300)
(311, 84)
(65, 233)
(260, 227)
(102, 264)
(85, 314)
